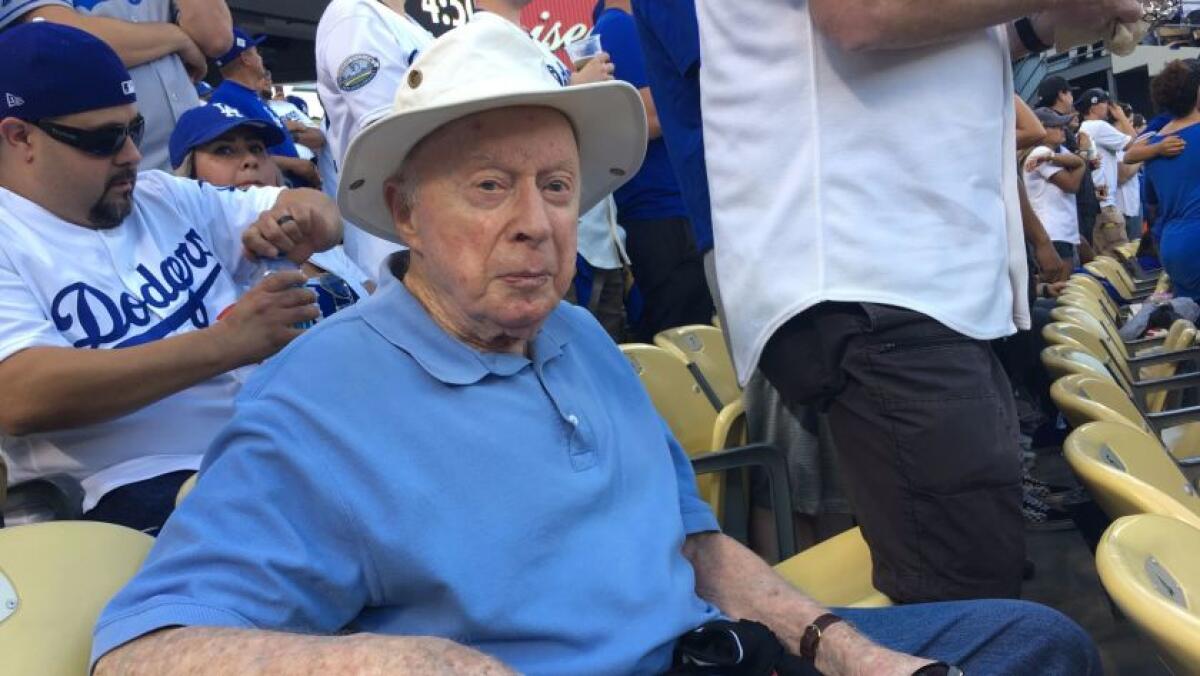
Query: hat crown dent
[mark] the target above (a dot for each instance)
(476, 60)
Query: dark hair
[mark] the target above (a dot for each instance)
(1175, 89)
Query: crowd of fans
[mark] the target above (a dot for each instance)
(382, 490)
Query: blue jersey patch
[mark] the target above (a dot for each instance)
(357, 72)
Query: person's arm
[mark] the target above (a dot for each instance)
(857, 25)
(1070, 178)
(135, 43)
(212, 650)
(652, 123)
(1122, 123)
(208, 23)
(1030, 131)
(737, 581)
(307, 136)
(1126, 171)
(53, 388)
(1051, 266)
(1143, 151)
(304, 169)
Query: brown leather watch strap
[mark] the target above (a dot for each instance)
(811, 640)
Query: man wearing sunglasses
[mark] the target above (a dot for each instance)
(95, 256)
(164, 43)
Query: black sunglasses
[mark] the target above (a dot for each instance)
(103, 141)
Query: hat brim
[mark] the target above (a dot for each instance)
(269, 133)
(608, 117)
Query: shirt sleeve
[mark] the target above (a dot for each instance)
(225, 213)
(365, 63)
(1108, 137)
(697, 515)
(618, 35)
(22, 324)
(1047, 170)
(673, 25)
(11, 12)
(285, 556)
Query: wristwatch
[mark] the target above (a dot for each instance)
(939, 669)
(812, 635)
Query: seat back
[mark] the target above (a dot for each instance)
(705, 347)
(1063, 360)
(1085, 398)
(1148, 565)
(682, 404)
(1128, 472)
(1089, 304)
(55, 578)
(1112, 272)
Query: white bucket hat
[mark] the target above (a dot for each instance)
(487, 64)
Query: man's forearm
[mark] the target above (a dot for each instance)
(895, 24)
(135, 43)
(50, 388)
(209, 650)
(734, 579)
(208, 23)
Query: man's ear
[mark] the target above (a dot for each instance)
(16, 139)
(400, 207)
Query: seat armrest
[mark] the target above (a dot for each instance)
(1177, 382)
(1186, 354)
(772, 461)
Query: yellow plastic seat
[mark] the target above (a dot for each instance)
(58, 576)
(1150, 566)
(837, 572)
(705, 347)
(1065, 360)
(186, 488)
(683, 405)
(1127, 471)
(1084, 398)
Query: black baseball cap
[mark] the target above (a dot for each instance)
(1091, 97)
(1051, 87)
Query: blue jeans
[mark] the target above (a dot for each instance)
(991, 637)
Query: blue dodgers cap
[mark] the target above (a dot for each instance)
(203, 89)
(51, 70)
(241, 42)
(201, 125)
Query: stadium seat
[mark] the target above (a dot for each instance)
(1127, 472)
(1085, 398)
(703, 348)
(1148, 565)
(186, 488)
(833, 573)
(55, 578)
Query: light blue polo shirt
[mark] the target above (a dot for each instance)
(380, 476)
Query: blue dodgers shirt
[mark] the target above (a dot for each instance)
(670, 39)
(251, 104)
(652, 193)
(380, 476)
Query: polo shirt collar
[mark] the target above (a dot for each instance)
(400, 318)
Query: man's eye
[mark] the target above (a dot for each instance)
(223, 150)
(489, 186)
(258, 150)
(558, 186)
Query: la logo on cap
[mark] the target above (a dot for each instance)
(13, 100)
(227, 111)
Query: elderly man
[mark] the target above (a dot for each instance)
(480, 484)
(164, 43)
(95, 257)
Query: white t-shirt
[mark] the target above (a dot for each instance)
(363, 50)
(1129, 197)
(1056, 209)
(1108, 142)
(823, 186)
(170, 268)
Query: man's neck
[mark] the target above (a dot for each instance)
(623, 5)
(245, 79)
(396, 6)
(1061, 108)
(456, 324)
(500, 9)
(27, 189)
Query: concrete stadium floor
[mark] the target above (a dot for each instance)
(1066, 580)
